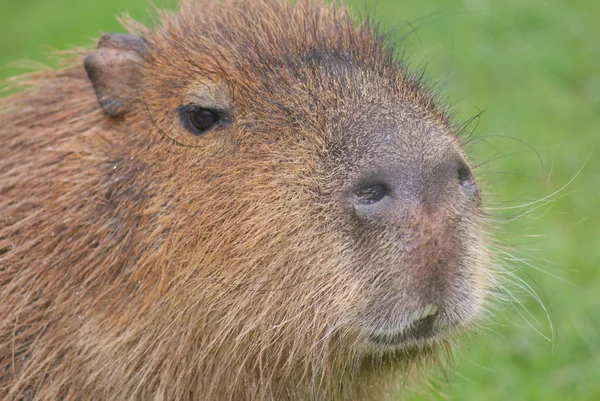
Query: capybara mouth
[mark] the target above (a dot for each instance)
(422, 325)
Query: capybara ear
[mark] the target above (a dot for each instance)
(114, 70)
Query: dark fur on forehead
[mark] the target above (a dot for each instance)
(276, 43)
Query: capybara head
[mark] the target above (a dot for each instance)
(254, 200)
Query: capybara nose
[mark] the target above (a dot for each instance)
(387, 193)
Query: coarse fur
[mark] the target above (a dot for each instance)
(141, 261)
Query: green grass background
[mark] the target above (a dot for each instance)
(534, 67)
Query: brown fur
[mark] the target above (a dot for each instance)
(138, 261)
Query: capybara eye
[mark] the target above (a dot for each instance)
(203, 119)
(370, 195)
(199, 120)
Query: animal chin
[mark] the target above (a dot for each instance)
(420, 326)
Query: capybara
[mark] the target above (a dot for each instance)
(253, 200)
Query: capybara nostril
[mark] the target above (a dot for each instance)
(467, 179)
(371, 194)
(465, 175)
(371, 200)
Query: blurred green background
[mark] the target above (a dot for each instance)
(533, 67)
